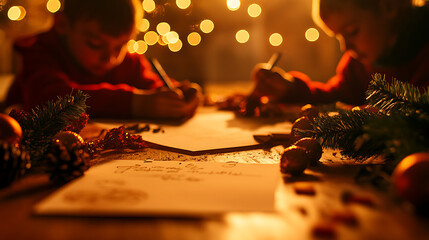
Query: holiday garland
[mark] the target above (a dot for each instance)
(50, 142)
(395, 123)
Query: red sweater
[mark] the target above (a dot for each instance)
(407, 61)
(48, 71)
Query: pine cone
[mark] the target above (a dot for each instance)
(14, 162)
(66, 164)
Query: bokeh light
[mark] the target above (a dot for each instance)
(140, 47)
(206, 26)
(53, 6)
(276, 39)
(130, 46)
(16, 13)
(163, 28)
(242, 36)
(233, 5)
(194, 38)
(254, 10)
(149, 5)
(175, 47)
(311, 34)
(144, 25)
(183, 4)
(151, 38)
(172, 37)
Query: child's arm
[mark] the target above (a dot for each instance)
(164, 103)
(348, 85)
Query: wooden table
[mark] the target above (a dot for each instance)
(319, 207)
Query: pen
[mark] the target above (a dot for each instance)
(273, 60)
(161, 73)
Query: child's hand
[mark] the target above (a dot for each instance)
(274, 83)
(164, 103)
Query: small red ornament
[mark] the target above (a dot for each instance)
(411, 181)
(68, 138)
(312, 148)
(10, 130)
(294, 160)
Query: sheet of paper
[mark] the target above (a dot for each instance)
(214, 130)
(168, 188)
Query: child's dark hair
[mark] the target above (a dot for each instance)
(323, 7)
(114, 16)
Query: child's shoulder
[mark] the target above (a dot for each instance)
(45, 40)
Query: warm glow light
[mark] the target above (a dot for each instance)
(140, 47)
(242, 36)
(163, 28)
(172, 37)
(144, 25)
(194, 38)
(175, 47)
(53, 6)
(311, 34)
(151, 38)
(276, 39)
(233, 5)
(130, 46)
(254, 10)
(183, 4)
(206, 26)
(162, 40)
(16, 13)
(149, 5)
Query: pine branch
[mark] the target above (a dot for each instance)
(49, 119)
(396, 96)
(401, 134)
(345, 131)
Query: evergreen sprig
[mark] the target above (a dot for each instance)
(399, 128)
(47, 120)
(345, 131)
(396, 96)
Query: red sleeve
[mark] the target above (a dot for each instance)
(348, 85)
(48, 73)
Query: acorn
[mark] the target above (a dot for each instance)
(294, 160)
(302, 123)
(312, 148)
(309, 111)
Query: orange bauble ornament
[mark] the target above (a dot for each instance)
(411, 179)
(10, 130)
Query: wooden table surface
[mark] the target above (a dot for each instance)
(319, 212)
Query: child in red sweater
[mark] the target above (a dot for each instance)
(87, 49)
(390, 37)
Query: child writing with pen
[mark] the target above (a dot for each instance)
(86, 49)
(390, 37)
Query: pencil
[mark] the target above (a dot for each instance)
(161, 73)
(273, 60)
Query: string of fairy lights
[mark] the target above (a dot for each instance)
(164, 35)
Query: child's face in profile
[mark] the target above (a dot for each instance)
(94, 50)
(364, 34)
